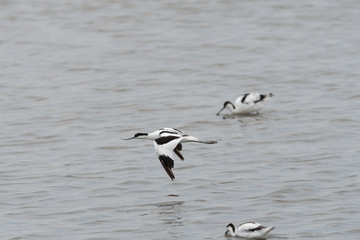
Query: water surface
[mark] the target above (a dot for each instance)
(78, 76)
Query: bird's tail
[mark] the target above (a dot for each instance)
(265, 97)
(267, 230)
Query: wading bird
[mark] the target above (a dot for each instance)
(247, 230)
(247, 103)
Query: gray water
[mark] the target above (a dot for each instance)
(77, 76)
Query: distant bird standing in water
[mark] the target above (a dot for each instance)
(248, 230)
(247, 103)
(167, 143)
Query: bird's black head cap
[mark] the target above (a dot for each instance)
(140, 134)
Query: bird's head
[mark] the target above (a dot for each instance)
(230, 230)
(227, 104)
(138, 136)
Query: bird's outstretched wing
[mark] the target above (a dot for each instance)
(177, 150)
(165, 148)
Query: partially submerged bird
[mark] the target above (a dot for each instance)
(167, 143)
(247, 103)
(248, 230)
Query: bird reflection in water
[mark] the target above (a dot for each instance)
(171, 212)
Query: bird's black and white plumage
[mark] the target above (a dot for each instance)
(168, 143)
(248, 230)
(247, 103)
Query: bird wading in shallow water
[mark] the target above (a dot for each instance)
(247, 103)
(168, 142)
(248, 230)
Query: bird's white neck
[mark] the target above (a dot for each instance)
(152, 136)
(231, 107)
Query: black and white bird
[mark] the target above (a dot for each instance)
(247, 103)
(248, 230)
(168, 142)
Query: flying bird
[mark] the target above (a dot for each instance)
(247, 103)
(168, 143)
